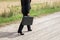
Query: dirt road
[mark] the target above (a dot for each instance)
(44, 28)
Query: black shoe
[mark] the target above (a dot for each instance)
(21, 33)
(29, 30)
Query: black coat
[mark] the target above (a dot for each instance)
(25, 4)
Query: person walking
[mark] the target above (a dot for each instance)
(25, 8)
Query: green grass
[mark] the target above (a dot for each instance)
(37, 11)
(10, 19)
(44, 11)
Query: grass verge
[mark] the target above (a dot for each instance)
(37, 11)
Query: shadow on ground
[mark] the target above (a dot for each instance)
(9, 34)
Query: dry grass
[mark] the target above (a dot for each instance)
(5, 5)
(43, 3)
(11, 11)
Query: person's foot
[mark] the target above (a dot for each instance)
(20, 33)
(29, 30)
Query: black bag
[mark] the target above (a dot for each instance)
(27, 20)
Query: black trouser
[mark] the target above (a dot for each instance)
(21, 26)
(25, 10)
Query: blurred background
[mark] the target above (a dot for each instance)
(10, 10)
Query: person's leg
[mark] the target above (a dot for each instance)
(20, 29)
(29, 28)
